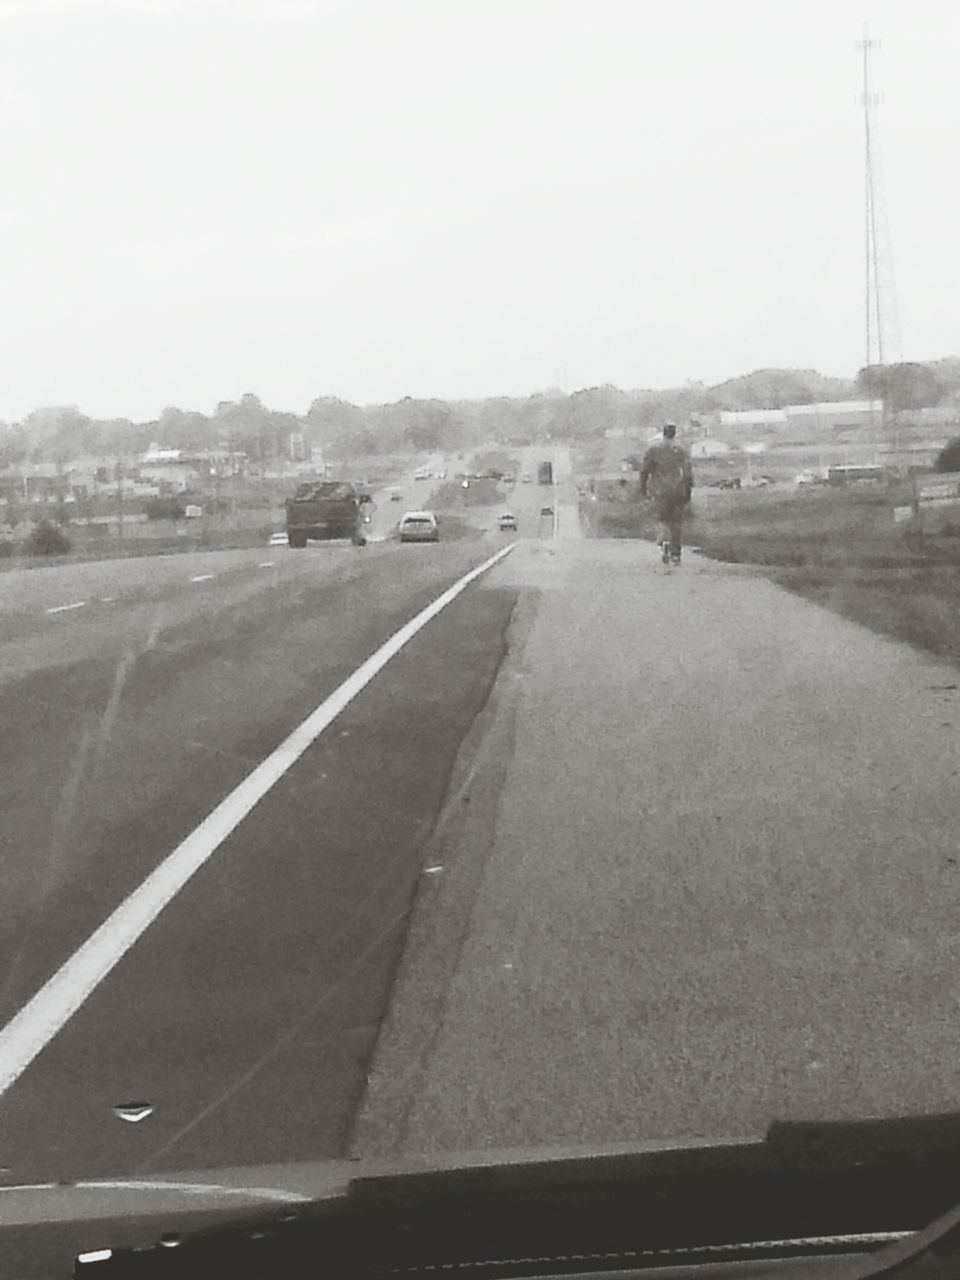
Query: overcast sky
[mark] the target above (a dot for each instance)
(458, 198)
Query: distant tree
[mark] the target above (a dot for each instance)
(60, 430)
(280, 427)
(331, 423)
(169, 508)
(903, 386)
(171, 427)
(14, 447)
(47, 540)
(948, 459)
(242, 426)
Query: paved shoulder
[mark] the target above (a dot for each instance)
(709, 878)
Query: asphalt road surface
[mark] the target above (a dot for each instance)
(602, 853)
(135, 696)
(700, 871)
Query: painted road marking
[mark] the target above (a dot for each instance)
(62, 608)
(35, 1025)
(107, 599)
(267, 564)
(198, 1188)
(202, 577)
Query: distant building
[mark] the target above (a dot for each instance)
(177, 470)
(173, 477)
(947, 415)
(733, 418)
(709, 447)
(825, 415)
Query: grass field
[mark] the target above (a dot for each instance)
(839, 548)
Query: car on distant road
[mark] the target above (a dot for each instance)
(507, 521)
(528, 479)
(419, 526)
(395, 495)
(546, 511)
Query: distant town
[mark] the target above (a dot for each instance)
(106, 478)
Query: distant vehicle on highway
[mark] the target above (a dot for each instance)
(419, 526)
(441, 475)
(527, 479)
(422, 474)
(507, 521)
(733, 483)
(545, 473)
(546, 511)
(509, 478)
(325, 509)
(395, 495)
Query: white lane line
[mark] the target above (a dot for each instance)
(35, 1025)
(192, 1188)
(62, 608)
(202, 577)
(107, 599)
(267, 564)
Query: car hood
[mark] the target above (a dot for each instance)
(44, 1226)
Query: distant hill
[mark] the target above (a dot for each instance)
(774, 388)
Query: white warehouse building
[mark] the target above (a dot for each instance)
(824, 415)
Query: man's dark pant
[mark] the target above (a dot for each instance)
(670, 511)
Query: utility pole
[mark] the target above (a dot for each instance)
(881, 326)
(119, 476)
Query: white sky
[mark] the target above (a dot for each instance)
(458, 197)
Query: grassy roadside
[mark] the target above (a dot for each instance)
(841, 549)
(916, 604)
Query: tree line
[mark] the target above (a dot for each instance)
(341, 428)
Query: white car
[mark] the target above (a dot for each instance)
(418, 526)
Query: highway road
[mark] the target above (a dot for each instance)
(135, 696)
(600, 853)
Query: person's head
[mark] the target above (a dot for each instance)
(669, 430)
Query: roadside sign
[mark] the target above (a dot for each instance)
(934, 494)
(942, 490)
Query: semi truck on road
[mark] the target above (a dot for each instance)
(322, 509)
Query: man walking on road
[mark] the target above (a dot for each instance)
(667, 476)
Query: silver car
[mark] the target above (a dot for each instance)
(419, 526)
